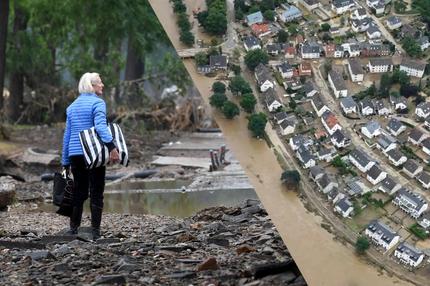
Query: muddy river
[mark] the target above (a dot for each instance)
(322, 260)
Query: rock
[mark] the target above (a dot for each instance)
(182, 274)
(61, 267)
(244, 249)
(263, 239)
(189, 260)
(34, 156)
(252, 209)
(7, 191)
(176, 248)
(184, 237)
(208, 264)
(125, 265)
(267, 250)
(218, 241)
(62, 250)
(111, 279)
(28, 232)
(39, 254)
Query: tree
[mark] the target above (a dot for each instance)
(362, 244)
(248, 102)
(384, 86)
(238, 85)
(325, 27)
(217, 100)
(291, 178)
(218, 87)
(292, 104)
(282, 36)
(408, 90)
(236, 69)
(230, 109)
(257, 124)
(201, 59)
(267, 5)
(4, 16)
(326, 37)
(411, 47)
(187, 38)
(255, 57)
(269, 15)
(400, 77)
(293, 29)
(399, 6)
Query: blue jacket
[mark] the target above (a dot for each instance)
(86, 111)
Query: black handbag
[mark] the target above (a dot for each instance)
(62, 195)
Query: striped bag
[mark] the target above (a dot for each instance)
(96, 152)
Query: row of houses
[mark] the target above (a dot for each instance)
(367, 107)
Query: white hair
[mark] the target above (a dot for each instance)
(86, 82)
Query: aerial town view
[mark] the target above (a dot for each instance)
(215, 142)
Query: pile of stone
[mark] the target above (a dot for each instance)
(217, 246)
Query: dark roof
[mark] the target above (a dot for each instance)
(360, 156)
(355, 66)
(372, 126)
(280, 115)
(394, 124)
(316, 170)
(251, 41)
(285, 67)
(398, 99)
(425, 106)
(271, 48)
(337, 79)
(342, 3)
(374, 172)
(354, 188)
(413, 253)
(305, 154)
(413, 64)
(344, 204)
(308, 87)
(348, 102)
(415, 200)
(262, 73)
(395, 154)
(379, 104)
(325, 180)
(373, 29)
(411, 166)
(218, 61)
(339, 136)
(311, 48)
(270, 97)
(366, 103)
(300, 139)
(426, 143)
(387, 234)
(381, 61)
(393, 20)
(416, 134)
(388, 183)
(318, 102)
(424, 177)
(286, 123)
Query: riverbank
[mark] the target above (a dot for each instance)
(227, 246)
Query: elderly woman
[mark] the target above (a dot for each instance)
(88, 110)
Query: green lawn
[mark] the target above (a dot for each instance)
(359, 222)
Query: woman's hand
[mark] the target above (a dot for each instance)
(114, 156)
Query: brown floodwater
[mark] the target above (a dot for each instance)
(321, 259)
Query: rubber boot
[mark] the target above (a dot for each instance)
(96, 218)
(75, 220)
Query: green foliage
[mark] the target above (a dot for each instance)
(257, 124)
(399, 6)
(238, 85)
(362, 244)
(230, 109)
(214, 20)
(248, 102)
(325, 27)
(340, 165)
(422, 6)
(291, 178)
(292, 104)
(419, 232)
(269, 15)
(185, 35)
(385, 85)
(411, 47)
(236, 69)
(293, 29)
(357, 208)
(201, 59)
(400, 77)
(282, 36)
(217, 100)
(218, 87)
(255, 57)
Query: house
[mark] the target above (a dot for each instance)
(344, 207)
(251, 43)
(305, 157)
(366, 107)
(334, 195)
(409, 31)
(348, 105)
(290, 14)
(359, 14)
(327, 183)
(204, 69)
(424, 179)
(330, 122)
(389, 186)
(381, 234)
(334, 31)
(395, 126)
(305, 69)
(280, 116)
(361, 160)
(271, 100)
(386, 143)
(309, 89)
(340, 139)
(342, 6)
(379, 8)
(413, 67)
(410, 202)
(409, 255)
(326, 154)
(289, 51)
(381, 108)
(298, 140)
(260, 29)
(416, 136)
(373, 32)
(375, 175)
(412, 168)
(310, 51)
(400, 103)
(426, 146)
(424, 220)
(286, 70)
(310, 4)
(371, 129)
(360, 25)
(424, 43)
(287, 127)
(316, 173)
(318, 105)
(333, 51)
(351, 50)
(273, 49)
(254, 18)
(337, 84)
(218, 62)
(393, 22)
(380, 65)
(355, 187)
(423, 110)
(292, 83)
(374, 50)
(396, 157)
(264, 78)
(355, 70)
